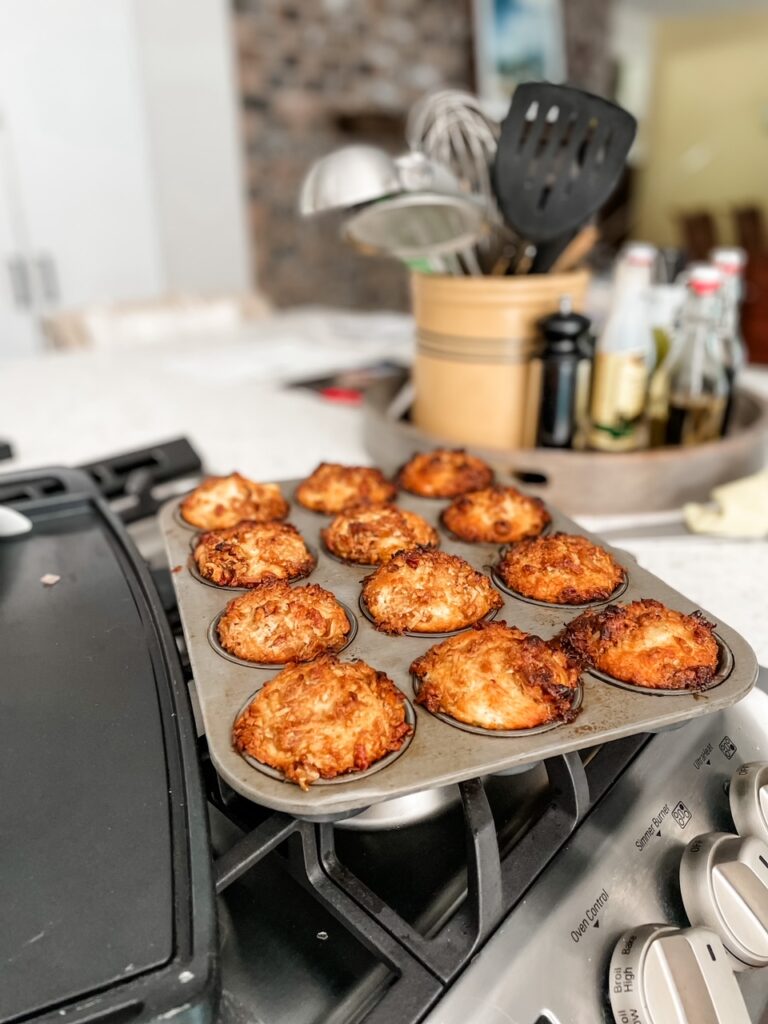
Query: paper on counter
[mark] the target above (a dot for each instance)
(742, 509)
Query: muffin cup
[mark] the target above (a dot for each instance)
(724, 669)
(478, 730)
(213, 639)
(377, 766)
(499, 582)
(488, 617)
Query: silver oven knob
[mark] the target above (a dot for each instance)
(749, 799)
(724, 883)
(664, 975)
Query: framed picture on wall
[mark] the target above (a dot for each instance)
(516, 41)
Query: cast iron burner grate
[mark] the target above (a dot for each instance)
(496, 878)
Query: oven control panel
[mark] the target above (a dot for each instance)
(659, 859)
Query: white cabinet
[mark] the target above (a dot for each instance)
(77, 205)
(120, 157)
(18, 323)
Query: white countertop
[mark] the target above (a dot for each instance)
(227, 395)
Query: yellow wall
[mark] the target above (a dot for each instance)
(707, 131)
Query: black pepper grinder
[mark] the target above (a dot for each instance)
(565, 360)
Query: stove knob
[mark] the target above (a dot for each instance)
(663, 975)
(724, 883)
(749, 800)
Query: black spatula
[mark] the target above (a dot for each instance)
(560, 155)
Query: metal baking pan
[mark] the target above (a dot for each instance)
(439, 753)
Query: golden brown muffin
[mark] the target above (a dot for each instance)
(495, 515)
(277, 623)
(222, 501)
(561, 569)
(323, 719)
(497, 677)
(427, 591)
(253, 553)
(443, 473)
(647, 644)
(369, 535)
(332, 488)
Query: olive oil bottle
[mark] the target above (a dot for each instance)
(624, 356)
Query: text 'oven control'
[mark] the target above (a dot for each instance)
(665, 975)
(724, 884)
(748, 795)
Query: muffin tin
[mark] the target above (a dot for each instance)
(440, 751)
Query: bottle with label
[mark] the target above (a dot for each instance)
(731, 263)
(694, 375)
(565, 360)
(624, 356)
(666, 303)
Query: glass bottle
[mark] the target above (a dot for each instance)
(731, 262)
(624, 356)
(696, 380)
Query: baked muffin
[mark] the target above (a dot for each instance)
(444, 473)
(252, 553)
(560, 569)
(647, 644)
(427, 591)
(277, 623)
(332, 488)
(369, 535)
(323, 719)
(497, 677)
(495, 515)
(222, 501)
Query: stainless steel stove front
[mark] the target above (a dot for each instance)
(548, 962)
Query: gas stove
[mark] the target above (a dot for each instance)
(502, 900)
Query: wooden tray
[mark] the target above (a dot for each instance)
(592, 483)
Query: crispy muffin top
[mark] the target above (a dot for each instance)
(495, 515)
(497, 677)
(333, 488)
(444, 473)
(428, 591)
(560, 569)
(647, 644)
(323, 719)
(370, 534)
(252, 553)
(277, 623)
(222, 501)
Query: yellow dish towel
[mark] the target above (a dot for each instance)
(742, 509)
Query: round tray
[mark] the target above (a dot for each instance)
(589, 483)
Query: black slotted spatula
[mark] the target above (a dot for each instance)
(560, 155)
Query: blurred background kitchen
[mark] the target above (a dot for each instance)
(150, 147)
(157, 260)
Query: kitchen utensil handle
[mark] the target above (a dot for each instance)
(565, 253)
(49, 278)
(577, 249)
(20, 287)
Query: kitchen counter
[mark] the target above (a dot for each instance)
(228, 394)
